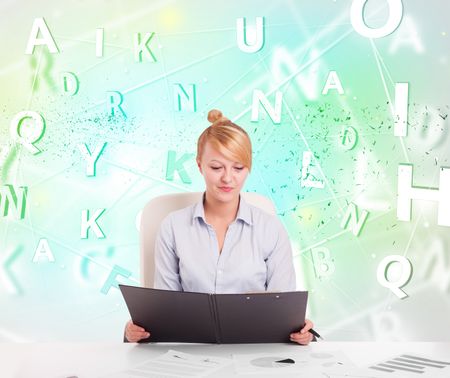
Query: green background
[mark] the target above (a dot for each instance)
(195, 43)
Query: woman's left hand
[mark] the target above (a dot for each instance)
(303, 336)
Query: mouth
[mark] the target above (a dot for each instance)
(226, 188)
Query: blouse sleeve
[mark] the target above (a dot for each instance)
(167, 273)
(280, 264)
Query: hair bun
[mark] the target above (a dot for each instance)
(214, 115)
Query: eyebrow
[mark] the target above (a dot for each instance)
(217, 161)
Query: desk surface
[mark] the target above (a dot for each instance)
(98, 359)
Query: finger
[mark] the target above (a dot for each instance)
(303, 339)
(308, 325)
(300, 336)
(136, 328)
(303, 342)
(136, 339)
(137, 335)
(140, 334)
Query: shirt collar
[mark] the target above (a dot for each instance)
(243, 213)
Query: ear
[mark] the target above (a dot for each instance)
(199, 165)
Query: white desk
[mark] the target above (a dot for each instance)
(49, 360)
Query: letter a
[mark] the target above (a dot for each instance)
(47, 39)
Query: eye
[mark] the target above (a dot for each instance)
(216, 168)
(239, 168)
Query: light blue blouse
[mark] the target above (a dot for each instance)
(256, 254)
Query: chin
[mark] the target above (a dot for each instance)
(226, 196)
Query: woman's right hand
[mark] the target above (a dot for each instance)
(134, 333)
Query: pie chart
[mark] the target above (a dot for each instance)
(271, 362)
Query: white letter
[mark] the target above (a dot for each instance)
(190, 99)
(352, 214)
(43, 250)
(306, 79)
(323, 263)
(406, 193)
(9, 197)
(395, 285)
(115, 100)
(255, 42)
(47, 39)
(349, 137)
(177, 165)
(307, 179)
(87, 223)
(141, 48)
(91, 159)
(333, 82)
(407, 35)
(70, 83)
(111, 280)
(260, 97)
(357, 19)
(8, 279)
(435, 266)
(28, 127)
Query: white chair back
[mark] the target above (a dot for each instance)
(157, 209)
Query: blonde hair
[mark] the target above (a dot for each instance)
(226, 137)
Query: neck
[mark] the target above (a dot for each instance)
(214, 209)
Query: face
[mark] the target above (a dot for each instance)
(223, 178)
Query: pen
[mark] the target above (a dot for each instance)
(315, 334)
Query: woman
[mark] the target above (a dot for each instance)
(222, 244)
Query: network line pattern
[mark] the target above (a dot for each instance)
(346, 104)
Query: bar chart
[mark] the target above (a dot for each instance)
(407, 363)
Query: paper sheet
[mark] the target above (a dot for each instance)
(175, 364)
(313, 363)
(400, 366)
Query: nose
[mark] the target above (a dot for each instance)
(226, 177)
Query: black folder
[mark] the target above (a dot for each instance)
(180, 316)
